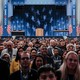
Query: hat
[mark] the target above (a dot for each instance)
(5, 54)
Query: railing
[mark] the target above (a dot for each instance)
(18, 33)
(62, 31)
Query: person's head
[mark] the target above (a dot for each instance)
(19, 52)
(77, 47)
(62, 43)
(44, 44)
(38, 61)
(70, 47)
(66, 41)
(1, 48)
(52, 43)
(72, 60)
(70, 65)
(28, 50)
(72, 41)
(37, 44)
(21, 49)
(9, 44)
(78, 52)
(6, 57)
(20, 44)
(33, 53)
(46, 72)
(25, 60)
(43, 50)
(5, 44)
(30, 44)
(15, 43)
(56, 51)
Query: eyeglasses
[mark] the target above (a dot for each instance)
(45, 76)
(5, 57)
(25, 58)
(75, 60)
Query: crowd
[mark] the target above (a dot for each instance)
(40, 59)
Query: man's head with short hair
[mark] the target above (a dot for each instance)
(46, 72)
(9, 44)
(25, 60)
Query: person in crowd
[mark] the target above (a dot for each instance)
(70, 69)
(4, 70)
(72, 41)
(37, 62)
(1, 48)
(25, 72)
(69, 47)
(78, 52)
(15, 44)
(51, 46)
(5, 44)
(46, 72)
(46, 56)
(47, 42)
(37, 44)
(20, 44)
(62, 45)
(9, 49)
(30, 44)
(77, 46)
(25, 44)
(33, 53)
(28, 49)
(66, 40)
(6, 57)
(15, 65)
(75, 42)
(56, 58)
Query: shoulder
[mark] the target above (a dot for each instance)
(14, 63)
(32, 74)
(33, 71)
(4, 66)
(4, 69)
(58, 74)
(14, 49)
(16, 75)
(3, 62)
(3, 51)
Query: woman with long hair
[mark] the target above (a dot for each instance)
(15, 65)
(37, 62)
(70, 69)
